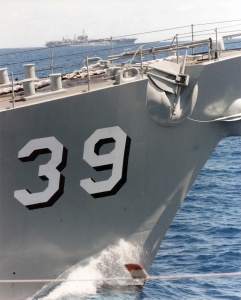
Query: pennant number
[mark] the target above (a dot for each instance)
(116, 160)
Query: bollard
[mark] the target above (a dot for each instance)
(28, 87)
(29, 71)
(4, 76)
(56, 81)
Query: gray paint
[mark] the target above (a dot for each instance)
(163, 164)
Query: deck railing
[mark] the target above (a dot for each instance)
(52, 59)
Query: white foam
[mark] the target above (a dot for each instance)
(109, 263)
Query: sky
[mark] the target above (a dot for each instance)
(30, 23)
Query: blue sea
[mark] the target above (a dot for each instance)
(205, 235)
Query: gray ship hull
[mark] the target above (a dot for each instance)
(141, 171)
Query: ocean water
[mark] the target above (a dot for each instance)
(205, 235)
(65, 59)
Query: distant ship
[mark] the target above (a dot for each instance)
(83, 40)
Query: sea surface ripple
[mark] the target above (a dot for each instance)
(205, 235)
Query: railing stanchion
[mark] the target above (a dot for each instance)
(141, 62)
(51, 60)
(217, 51)
(13, 95)
(177, 49)
(192, 26)
(111, 47)
(209, 48)
(88, 77)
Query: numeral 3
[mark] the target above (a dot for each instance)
(49, 171)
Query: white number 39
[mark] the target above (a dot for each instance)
(116, 160)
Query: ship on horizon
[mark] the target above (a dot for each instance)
(83, 40)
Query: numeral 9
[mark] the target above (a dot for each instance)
(116, 160)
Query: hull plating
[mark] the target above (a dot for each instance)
(145, 171)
